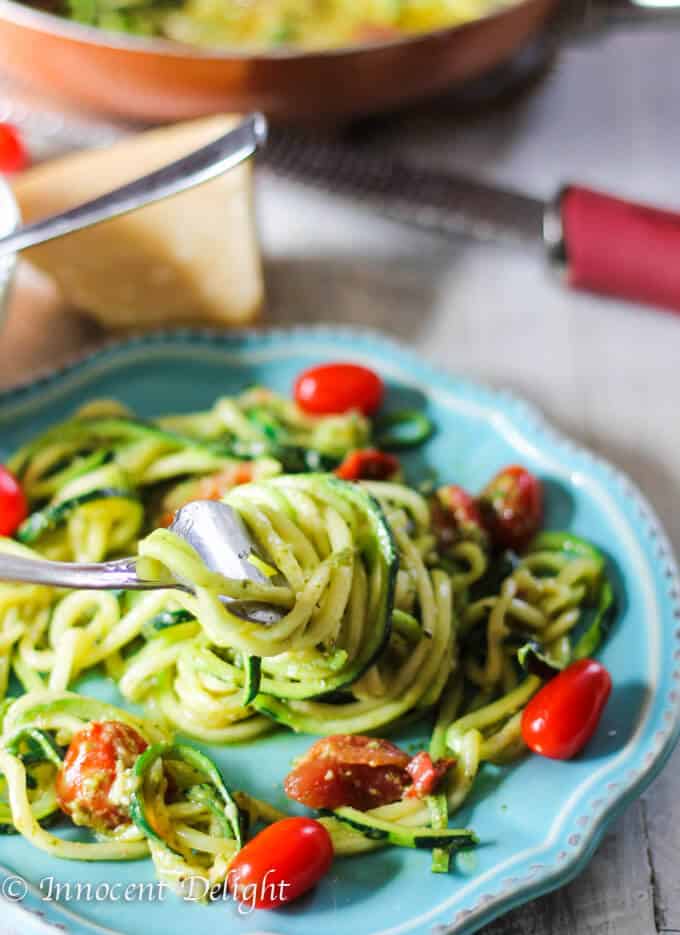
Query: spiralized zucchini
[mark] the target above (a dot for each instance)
(380, 624)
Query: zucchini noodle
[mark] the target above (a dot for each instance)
(380, 624)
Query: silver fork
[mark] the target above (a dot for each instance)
(213, 529)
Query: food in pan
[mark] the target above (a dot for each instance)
(262, 25)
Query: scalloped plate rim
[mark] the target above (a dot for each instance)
(505, 894)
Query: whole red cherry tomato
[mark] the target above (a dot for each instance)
(511, 505)
(336, 388)
(13, 154)
(368, 464)
(13, 503)
(281, 863)
(96, 757)
(562, 717)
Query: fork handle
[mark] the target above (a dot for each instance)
(199, 166)
(97, 576)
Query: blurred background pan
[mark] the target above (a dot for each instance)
(155, 80)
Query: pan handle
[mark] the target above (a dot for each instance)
(603, 14)
(614, 247)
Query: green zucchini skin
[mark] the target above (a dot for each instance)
(200, 762)
(207, 796)
(403, 429)
(49, 519)
(79, 467)
(401, 835)
(294, 458)
(439, 812)
(40, 747)
(605, 612)
(252, 666)
(113, 430)
(165, 620)
(567, 542)
(535, 662)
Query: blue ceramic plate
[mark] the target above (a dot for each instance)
(540, 821)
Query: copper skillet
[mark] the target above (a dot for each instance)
(157, 80)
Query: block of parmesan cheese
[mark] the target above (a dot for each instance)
(190, 258)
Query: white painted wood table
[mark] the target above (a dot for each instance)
(607, 373)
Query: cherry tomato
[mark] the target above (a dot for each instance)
(368, 464)
(13, 503)
(425, 774)
(13, 154)
(281, 863)
(335, 388)
(348, 769)
(456, 517)
(511, 505)
(562, 717)
(95, 759)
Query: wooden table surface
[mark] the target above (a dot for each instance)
(607, 373)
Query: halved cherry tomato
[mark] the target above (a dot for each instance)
(13, 153)
(456, 517)
(335, 388)
(95, 759)
(511, 505)
(348, 769)
(13, 503)
(426, 774)
(362, 772)
(281, 863)
(368, 464)
(562, 717)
